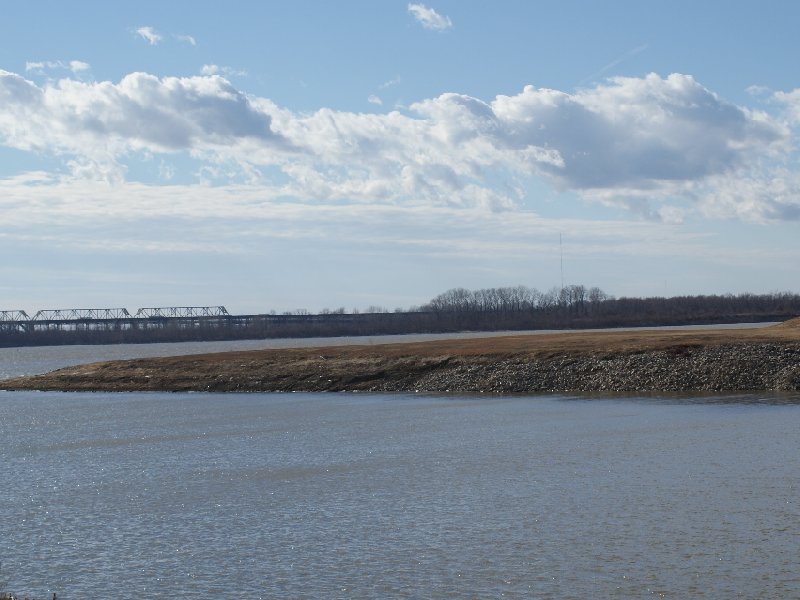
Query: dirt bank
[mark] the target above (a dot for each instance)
(623, 361)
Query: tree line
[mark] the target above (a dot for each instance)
(579, 306)
(459, 309)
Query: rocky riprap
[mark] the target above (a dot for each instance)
(716, 368)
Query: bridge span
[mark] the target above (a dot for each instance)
(109, 319)
(192, 323)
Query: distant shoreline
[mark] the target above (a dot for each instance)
(694, 360)
(491, 310)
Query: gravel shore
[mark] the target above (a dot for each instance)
(723, 368)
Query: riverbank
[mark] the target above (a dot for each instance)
(733, 360)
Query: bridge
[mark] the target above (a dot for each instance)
(110, 319)
(185, 323)
(13, 316)
(80, 314)
(181, 312)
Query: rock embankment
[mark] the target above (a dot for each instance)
(619, 361)
(722, 368)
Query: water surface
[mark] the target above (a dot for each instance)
(376, 496)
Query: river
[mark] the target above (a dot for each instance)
(374, 496)
(387, 496)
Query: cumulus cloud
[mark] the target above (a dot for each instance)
(429, 18)
(791, 102)
(373, 99)
(772, 196)
(149, 34)
(96, 126)
(657, 146)
(637, 133)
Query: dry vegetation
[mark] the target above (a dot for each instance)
(652, 360)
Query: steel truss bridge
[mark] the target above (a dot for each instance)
(178, 323)
(111, 319)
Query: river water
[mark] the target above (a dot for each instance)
(390, 496)
(384, 496)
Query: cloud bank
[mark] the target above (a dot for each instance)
(658, 146)
(141, 112)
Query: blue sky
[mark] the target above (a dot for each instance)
(283, 155)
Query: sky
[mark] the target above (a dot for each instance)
(310, 155)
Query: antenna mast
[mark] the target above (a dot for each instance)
(561, 253)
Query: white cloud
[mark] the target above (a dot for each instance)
(153, 37)
(791, 102)
(76, 66)
(142, 112)
(247, 212)
(390, 83)
(39, 66)
(758, 90)
(772, 196)
(637, 133)
(429, 18)
(226, 71)
(186, 38)
(166, 171)
(373, 99)
(63, 231)
(657, 146)
(149, 34)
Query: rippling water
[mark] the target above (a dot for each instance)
(376, 496)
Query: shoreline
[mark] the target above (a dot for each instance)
(697, 360)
